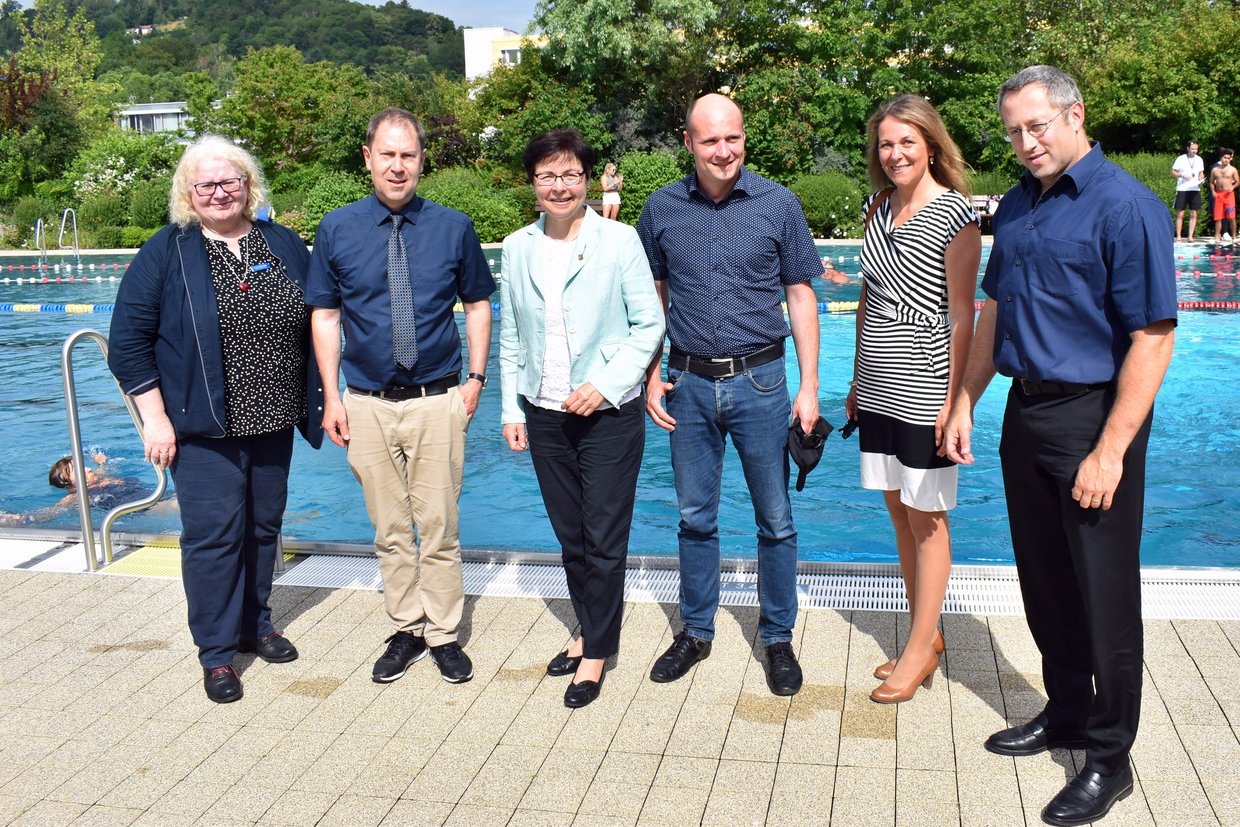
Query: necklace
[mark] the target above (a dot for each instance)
(242, 282)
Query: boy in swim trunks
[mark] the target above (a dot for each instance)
(1223, 183)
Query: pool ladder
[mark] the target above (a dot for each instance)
(79, 464)
(40, 244)
(69, 219)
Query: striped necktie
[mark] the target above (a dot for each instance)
(400, 292)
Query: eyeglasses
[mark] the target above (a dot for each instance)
(1037, 130)
(228, 185)
(570, 179)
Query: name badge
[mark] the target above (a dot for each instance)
(260, 267)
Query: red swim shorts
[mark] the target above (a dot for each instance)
(1224, 205)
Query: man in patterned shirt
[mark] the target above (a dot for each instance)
(726, 245)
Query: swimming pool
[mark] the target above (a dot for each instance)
(1193, 500)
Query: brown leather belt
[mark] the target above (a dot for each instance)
(725, 366)
(399, 393)
(1056, 388)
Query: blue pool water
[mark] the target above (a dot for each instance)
(1193, 501)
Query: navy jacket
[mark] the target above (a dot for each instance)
(166, 329)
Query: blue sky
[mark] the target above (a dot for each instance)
(511, 14)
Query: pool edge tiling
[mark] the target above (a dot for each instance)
(1167, 593)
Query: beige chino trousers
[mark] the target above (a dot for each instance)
(409, 458)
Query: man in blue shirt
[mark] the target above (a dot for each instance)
(388, 269)
(1081, 312)
(725, 246)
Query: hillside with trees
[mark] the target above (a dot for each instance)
(296, 81)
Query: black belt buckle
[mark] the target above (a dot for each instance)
(403, 393)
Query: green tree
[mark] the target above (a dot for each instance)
(292, 113)
(64, 48)
(520, 102)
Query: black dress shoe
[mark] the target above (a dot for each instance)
(783, 673)
(684, 652)
(1088, 797)
(275, 648)
(563, 664)
(222, 683)
(1034, 737)
(582, 694)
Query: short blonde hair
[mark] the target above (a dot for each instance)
(180, 200)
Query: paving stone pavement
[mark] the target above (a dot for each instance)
(103, 721)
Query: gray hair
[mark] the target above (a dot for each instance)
(209, 147)
(1060, 88)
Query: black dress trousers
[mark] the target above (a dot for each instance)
(1079, 568)
(587, 471)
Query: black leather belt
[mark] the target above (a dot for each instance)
(723, 367)
(1056, 388)
(399, 393)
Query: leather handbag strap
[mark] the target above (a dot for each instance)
(878, 201)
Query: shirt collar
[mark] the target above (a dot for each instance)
(747, 183)
(1079, 174)
(379, 211)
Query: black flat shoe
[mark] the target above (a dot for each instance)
(582, 694)
(275, 648)
(1088, 798)
(563, 664)
(1034, 737)
(222, 683)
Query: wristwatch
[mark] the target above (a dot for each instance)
(482, 379)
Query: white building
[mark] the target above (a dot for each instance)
(490, 47)
(145, 118)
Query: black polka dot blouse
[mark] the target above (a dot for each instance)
(263, 329)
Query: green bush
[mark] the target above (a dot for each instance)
(132, 236)
(832, 204)
(27, 212)
(148, 203)
(103, 209)
(103, 237)
(1152, 170)
(331, 191)
(56, 193)
(991, 183)
(644, 172)
(492, 210)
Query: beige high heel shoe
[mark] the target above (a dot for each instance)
(884, 694)
(884, 672)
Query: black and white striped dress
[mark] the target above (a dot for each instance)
(903, 352)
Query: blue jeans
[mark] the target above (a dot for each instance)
(754, 409)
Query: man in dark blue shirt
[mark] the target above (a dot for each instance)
(389, 269)
(1081, 313)
(726, 246)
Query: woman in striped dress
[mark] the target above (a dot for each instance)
(919, 263)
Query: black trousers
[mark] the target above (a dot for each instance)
(1079, 568)
(587, 471)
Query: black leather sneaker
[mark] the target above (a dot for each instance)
(783, 673)
(679, 658)
(453, 663)
(403, 651)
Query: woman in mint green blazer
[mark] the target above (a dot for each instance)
(580, 322)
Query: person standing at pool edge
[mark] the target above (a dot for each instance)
(1188, 171)
(725, 244)
(1081, 312)
(388, 269)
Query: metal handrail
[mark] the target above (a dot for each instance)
(79, 464)
(60, 240)
(40, 243)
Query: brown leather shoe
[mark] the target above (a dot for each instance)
(884, 693)
(884, 672)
